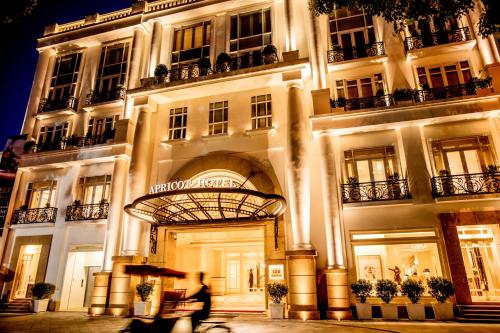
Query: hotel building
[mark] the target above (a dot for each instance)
(346, 151)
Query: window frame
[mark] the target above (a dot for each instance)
(91, 183)
(187, 25)
(40, 186)
(375, 85)
(43, 133)
(101, 66)
(268, 117)
(391, 161)
(181, 112)
(365, 29)
(442, 68)
(212, 124)
(53, 95)
(237, 52)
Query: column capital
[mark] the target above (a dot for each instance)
(144, 108)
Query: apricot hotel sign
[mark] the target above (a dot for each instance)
(190, 184)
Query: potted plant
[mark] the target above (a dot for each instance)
(387, 289)
(413, 290)
(404, 96)
(270, 54)
(223, 63)
(441, 289)
(204, 66)
(362, 289)
(144, 290)
(41, 293)
(160, 73)
(480, 87)
(277, 291)
(447, 182)
(395, 186)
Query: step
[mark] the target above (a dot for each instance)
(478, 320)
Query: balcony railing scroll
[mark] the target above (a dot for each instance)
(363, 103)
(96, 97)
(34, 215)
(437, 38)
(466, 184)
(47, 105)
(79, 212)
(459, 90)
(339, 54)
(73, 141)
(393, 189)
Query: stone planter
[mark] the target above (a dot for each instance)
(142, 308)
(389, 311)
(364, 311)
(483, 91)
(415, 311)
(40, 305)
(443, 311)
(277, 311)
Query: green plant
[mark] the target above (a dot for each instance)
(23, 207)
(160, 70)
(42, 290)
(403, 94)
(223, 62)
(352, 180)
(277, 291)
(77, 203)
(440, 288)
(412, 289)
(269, 49)
(393, 177)
(144, 290)
(493, 168)
(386, 289)
(362, 289)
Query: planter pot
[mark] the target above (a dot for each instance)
(415, 311)
(277, 311)
(40, 305)
(443, 311)
(407, 102)
(364, 311)
(483, 91)
(389, 311)
(142, 308)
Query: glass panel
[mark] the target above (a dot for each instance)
(394, 235)
(472, 161)
(378, 170)
(455, 163)
(363, 171)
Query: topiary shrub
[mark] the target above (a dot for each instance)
(277, 291)
(386, 289)
(42, 290)
(413, 290)
(223, 62)
(144, 290)
(362, 289)
(440, 288)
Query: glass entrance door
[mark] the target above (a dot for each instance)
(481, 260)
(27, 266)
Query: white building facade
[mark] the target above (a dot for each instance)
(383, 146)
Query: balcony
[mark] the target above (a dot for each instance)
(437, 38)
(466, 184)
(105, 96)
(393, 189)
(73, 141)
(78, 212)
(70, 103)
(34, 215)
(460, 90)
(363, 103)
(357, 52)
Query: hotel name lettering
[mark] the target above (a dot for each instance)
(188, 184)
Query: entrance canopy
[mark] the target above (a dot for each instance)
(206, 205)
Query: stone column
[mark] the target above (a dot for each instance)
(135, 60)
(154, 55)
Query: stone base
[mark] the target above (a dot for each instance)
(100, 293)
(338, 294)
(304, 315)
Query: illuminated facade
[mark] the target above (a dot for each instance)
(383, 145)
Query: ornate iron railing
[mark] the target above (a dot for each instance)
(73, 141)
(194, 70)
(49, 146)
(47, 105)
(87, 212)
(460, 90)
(356, 52)
(34, 215)
(376, 191)
(363, 103)
(466, 184)
(3, 215)
(437, 38)
(96, 97)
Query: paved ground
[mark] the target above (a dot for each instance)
(72, 322)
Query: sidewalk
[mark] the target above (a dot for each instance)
(76, 322)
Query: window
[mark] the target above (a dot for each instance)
(217, 118)
(177, 124)
(64, 77)
(112, 71)
(41, 194)
(53, 133)
(102, 126)
(94, 190)
(261, 112)
(191, 43)
(444, 75)
(370, 164)
(465, 155)
(250, 32)
(356, 88)
(351, 28)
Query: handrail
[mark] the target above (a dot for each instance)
(356, 52)
(392, 189)
(465, 184)
(437, 38)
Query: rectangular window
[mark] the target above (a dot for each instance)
(53, 133)
(250, 32)
(218, 118)
(191, 43)
(112, 71)
(444, 75)
(363, 87)
(262, 116)
(64, 77)
(102, 126)
(351, 28)
(177, 124)
(41, 194)
(94, 190)
(371, 164)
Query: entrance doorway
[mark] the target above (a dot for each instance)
(234, 262)
(79, 279)
(480, 245)
(27, 267)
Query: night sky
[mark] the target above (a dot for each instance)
(18, 56)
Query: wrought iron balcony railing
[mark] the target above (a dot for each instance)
(437, 38)
(357, 52)
(74, 141)
(34, 215)
(460, 90)
(466, 184)
(47, 105)
(87, 212)
(194, 70)
(49, 146)
(96, 97)
(396, 189)
(363, 103)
